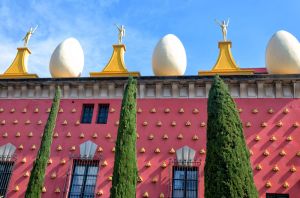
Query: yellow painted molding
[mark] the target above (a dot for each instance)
(18, 68)
(225, 64)
(116, 65)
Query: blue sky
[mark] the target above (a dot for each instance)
(252, 23)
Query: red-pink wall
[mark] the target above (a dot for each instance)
(277, 179)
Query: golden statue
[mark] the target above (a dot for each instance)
(121, 29)
(224, 27)
(28, 35)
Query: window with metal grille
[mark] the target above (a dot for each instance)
(276, 195)
(6, 168)
(185, 182)
(102, 113)
(83, 180)
(87, 113)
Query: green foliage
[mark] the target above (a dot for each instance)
(125, 165)
(36, 181)
(227, 171)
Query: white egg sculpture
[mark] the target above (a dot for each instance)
(169, 57)
(283, 54)
(67, 60)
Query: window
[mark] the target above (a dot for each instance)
(102, 113)
(5, 173)
(275, 195)
(84, 177)
(87, 113)
(185, 182)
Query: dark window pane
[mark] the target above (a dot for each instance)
(84, 179)
(5, 174)
(185, 182)
(87, 113)
(275, 195)
(102, 113)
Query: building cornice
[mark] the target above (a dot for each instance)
(241, 86)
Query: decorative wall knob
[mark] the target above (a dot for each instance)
(180, 136)
(142, 150)
(73, 110)
(167, 110)
(57, 190)
(255, 111)
(146, 195)
(270, 111)
(148, 164)
(202, 151)
(157, 150)
(258, 167)
(195, 111)
(268, 184)
(139, 110)
(273, 138)
(153, 110)
(266, 153)
(172, 151)
(275, 168)
(286, 185)
(151, 137)
(165, 137)
(282, 153)
(181, 110)
(286, 111)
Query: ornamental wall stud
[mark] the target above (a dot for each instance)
(48, 110)
(165, 137)
(255, 111)
(289, 138)
(53, 175)
(268, 184)
(270, 111)
(146, 195)
(57, 190)
(266, 153)
(172, 151)
(153, 110)
(279, 124)
(293, 169)
(173, 123)
(104, 163)
(159, 123)
(286, 184)
(296, 125)
(195, 111)
(167, 110)
(273, 138)
(139, 110)
(27, 174)
(55, 135)
(286, 111)
(95, 136)
(36, 110)
(12, 110)
(18, 134)
(151, 137)
(100, 192)
(112, 110)
(33, 147)
(181, 110)
(30, 134)
(180, 136)
(44, 190)
(258, 167)
(27, 122)
(145, 123)
(50, 161)
(142, 150)
(282, 153)
(69, 134)
(157, 150)
(61, 110)
(15, 122)
(275, 168)
(73, 110)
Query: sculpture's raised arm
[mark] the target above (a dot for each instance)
(118, 27)
(35, 29)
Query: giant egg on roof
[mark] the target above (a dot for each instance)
(67, 60)
(169, 57)
(283, 54)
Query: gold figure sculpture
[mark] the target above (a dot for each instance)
(121, 29)
(28, 35)
(224, 27)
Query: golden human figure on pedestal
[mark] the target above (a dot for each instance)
(121, 29)
(28, 35)
(224, 27)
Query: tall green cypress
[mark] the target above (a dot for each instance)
(36, 181)
(125, 164)
(227, 171)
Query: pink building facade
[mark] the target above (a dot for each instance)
(171, 125)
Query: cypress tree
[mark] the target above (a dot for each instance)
(227, 171)
(125, 165)
(36, 181)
